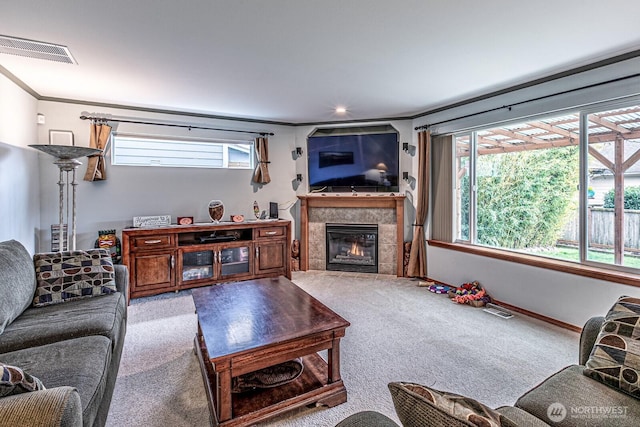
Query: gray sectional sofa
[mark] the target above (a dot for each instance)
(72, 347)
(568, 398)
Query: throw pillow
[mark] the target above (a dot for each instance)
(17, 281)
(65, 276)
(417, 406)
(615, 357)
(14, 380)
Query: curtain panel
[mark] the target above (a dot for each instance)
(417, 266)
(99, 134)
(261, 174)
(443, 186)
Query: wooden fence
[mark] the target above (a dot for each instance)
(601, 228)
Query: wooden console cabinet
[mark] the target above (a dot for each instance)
(174, 257)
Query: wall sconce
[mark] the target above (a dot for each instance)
(405, 147)
(405, 176)
(299, 177)
(299, 151)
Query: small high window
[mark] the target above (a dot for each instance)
(142, 150)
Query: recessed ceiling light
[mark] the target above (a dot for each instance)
(341, 110)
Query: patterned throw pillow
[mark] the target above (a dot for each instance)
(615, 358)
(14, 380)
(64, 276)
(417, 406)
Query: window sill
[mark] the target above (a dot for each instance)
(549, 264)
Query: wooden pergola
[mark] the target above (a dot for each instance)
(615, 127)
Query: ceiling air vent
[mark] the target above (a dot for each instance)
(35, 49)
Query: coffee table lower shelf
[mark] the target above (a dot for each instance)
(310, 388)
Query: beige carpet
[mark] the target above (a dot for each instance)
(399, 332)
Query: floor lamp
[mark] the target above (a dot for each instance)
(66, 160)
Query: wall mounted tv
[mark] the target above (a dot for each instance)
(363, 159)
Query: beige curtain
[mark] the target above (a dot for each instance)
(261, 174)
(98, 138)
(441, 224)
(418, 256)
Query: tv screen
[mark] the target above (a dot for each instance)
(363, 163)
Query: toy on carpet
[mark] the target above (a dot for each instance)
(439, 289)
(470, 293)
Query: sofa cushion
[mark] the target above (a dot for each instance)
(367, 419)
(615, 357)
(17, 281)
(579, 401)
(82, 363)
(73, 319)
(520, 417)
(64, 276)
(417, 406)
(13, 380)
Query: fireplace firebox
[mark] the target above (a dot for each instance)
(352, 247)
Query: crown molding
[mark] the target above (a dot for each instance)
(22, 85)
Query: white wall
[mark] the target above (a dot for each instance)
(19, 173)
(134, 191)
(562, 296)
(566, 297)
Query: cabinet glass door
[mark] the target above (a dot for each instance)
(234, 261)
(197, 265)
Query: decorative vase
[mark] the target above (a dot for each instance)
(216, 210)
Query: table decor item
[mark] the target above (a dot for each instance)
(185, 220)
(151, 221)
(216, 210)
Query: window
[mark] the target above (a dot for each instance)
(613, 212)
(142, 150)
(518, 187)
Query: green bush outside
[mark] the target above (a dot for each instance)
(524, 198)
(631, 198)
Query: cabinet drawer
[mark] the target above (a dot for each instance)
(271, 232)
(159, 241)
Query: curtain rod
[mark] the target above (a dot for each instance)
(466, 116)
(177, 125)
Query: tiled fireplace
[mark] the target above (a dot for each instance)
(387, 212)
(352, 247)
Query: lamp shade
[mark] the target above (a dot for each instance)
(382, 167)
(66, 152)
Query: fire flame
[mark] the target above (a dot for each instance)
(356, 249)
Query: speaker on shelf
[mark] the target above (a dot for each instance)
(273, 210)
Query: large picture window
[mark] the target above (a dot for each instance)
(518, 187)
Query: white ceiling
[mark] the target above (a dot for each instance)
(296, 61)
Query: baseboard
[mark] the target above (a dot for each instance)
(538, 316)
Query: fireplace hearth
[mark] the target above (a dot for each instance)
(352, 247)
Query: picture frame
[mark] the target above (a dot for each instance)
(61, 137)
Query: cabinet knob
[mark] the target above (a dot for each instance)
(270, 233)
(257, 251)
(152, 242)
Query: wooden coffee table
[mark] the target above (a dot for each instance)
(246, 326)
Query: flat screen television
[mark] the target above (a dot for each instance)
(363, 163)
